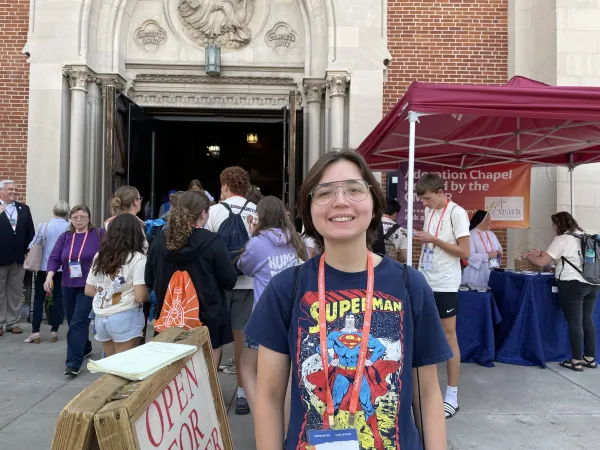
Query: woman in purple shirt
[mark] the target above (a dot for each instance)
(74, 252)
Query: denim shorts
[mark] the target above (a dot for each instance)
(120, 327)
(249, 343)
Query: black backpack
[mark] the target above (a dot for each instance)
(590, 254)
(234, 232)
(379, 243)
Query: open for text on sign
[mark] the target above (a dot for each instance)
(182, 416)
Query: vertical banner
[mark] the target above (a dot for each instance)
(502, 190)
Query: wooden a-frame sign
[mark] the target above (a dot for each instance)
(180, 407)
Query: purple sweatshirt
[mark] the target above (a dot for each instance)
(266, 255)
(60, 255)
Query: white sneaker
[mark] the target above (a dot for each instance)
(227, 364)
(231, 370)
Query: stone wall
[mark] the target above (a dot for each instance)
(446, 42)
(14, 92)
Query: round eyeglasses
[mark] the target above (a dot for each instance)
(355, 190)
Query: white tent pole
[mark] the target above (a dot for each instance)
(572, 182)
(412, 117)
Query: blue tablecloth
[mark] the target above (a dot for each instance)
(533, 330)
(477, 316)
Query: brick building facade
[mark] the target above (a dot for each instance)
(14, 91)
(446, 42)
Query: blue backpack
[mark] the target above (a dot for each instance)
(234, 232)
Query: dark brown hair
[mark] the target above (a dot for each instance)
(429, 182)
(236, 179)
(253, 194)
(183, 217)
(565, 223)
(195, 183)
(123, 239)
(123, 200)
(313, 178)
(86, 210)
(272, 214)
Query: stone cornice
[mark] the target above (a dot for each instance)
(112, 79)
(210, 100)
(205, 79)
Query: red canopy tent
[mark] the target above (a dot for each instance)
(470, 126)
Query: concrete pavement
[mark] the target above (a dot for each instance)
(506, 407)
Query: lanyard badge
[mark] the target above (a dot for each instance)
(364, 343)
(493, 262)
(428, 249)
(75, 270)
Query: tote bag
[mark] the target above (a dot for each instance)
(33, 261)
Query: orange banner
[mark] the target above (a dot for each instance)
(502, 190)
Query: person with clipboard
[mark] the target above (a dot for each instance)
(359, 330)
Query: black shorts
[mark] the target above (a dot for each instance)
(447, 304)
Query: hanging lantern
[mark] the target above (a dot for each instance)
(213, 60)
(252, 138)
(214, 150)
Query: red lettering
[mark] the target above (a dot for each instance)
(215, 438)
(193, 377)
(181, 405)
(149, 428)
(174, 443)
(189, 435)
(168, 405)
(209, 445)
(194, 423)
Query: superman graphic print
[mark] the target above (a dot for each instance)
(291, 326)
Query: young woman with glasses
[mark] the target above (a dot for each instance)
(353, 332)
(74, 252)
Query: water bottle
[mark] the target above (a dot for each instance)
(590, 256)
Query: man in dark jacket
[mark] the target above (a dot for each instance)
(16, 232)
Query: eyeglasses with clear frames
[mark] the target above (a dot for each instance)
(79, 218)
(355, 190)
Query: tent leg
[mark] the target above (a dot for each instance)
(412, 117)
(572, 183)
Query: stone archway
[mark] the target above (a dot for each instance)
(104, 29)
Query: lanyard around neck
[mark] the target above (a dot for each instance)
(364, 343)
(81, 249)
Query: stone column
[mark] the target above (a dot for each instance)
(78, 78)
(337, 81)
(314, 94)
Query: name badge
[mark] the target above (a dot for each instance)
(333, 439)
(494, 263)
(428, 258)
(75, 269)
(13, 223)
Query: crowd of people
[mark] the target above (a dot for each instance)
(320, 321)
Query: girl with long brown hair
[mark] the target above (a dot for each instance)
(274, 247)
(117, 284)
(187, 245)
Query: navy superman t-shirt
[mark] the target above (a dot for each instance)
(291, 326)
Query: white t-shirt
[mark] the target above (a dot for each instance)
(445, 274)
(117, 295)
(217, 214)
(398, 238)
(569, 247)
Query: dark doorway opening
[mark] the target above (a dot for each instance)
(170, 148)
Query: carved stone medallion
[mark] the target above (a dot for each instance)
(150, 35)
(281, 36)
(224, 22)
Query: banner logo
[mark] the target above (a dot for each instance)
(506, 208)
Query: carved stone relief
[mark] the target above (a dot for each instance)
(210, 100)
(78, 76)
(281, 36)
(224, 22)
(337, 82)
(204, 79)
(150, 35)
(314, 90)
